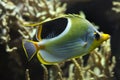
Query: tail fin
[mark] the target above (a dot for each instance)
(30, 48)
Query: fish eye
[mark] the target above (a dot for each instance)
(97, 36)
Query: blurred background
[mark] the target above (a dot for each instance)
(13, 62)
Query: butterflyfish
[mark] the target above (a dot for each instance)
(63, 38)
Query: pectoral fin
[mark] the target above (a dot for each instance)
(85, 44)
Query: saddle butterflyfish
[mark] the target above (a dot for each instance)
(63, 38)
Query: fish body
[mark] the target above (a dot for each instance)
(63, 38)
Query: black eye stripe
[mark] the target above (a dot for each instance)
(97, 36)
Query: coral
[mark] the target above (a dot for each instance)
(27, 74)
(116, 7)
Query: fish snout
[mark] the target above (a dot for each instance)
(105, 37)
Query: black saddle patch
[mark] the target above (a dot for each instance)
(53, 28)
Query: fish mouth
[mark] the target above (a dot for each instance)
(105, 37)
